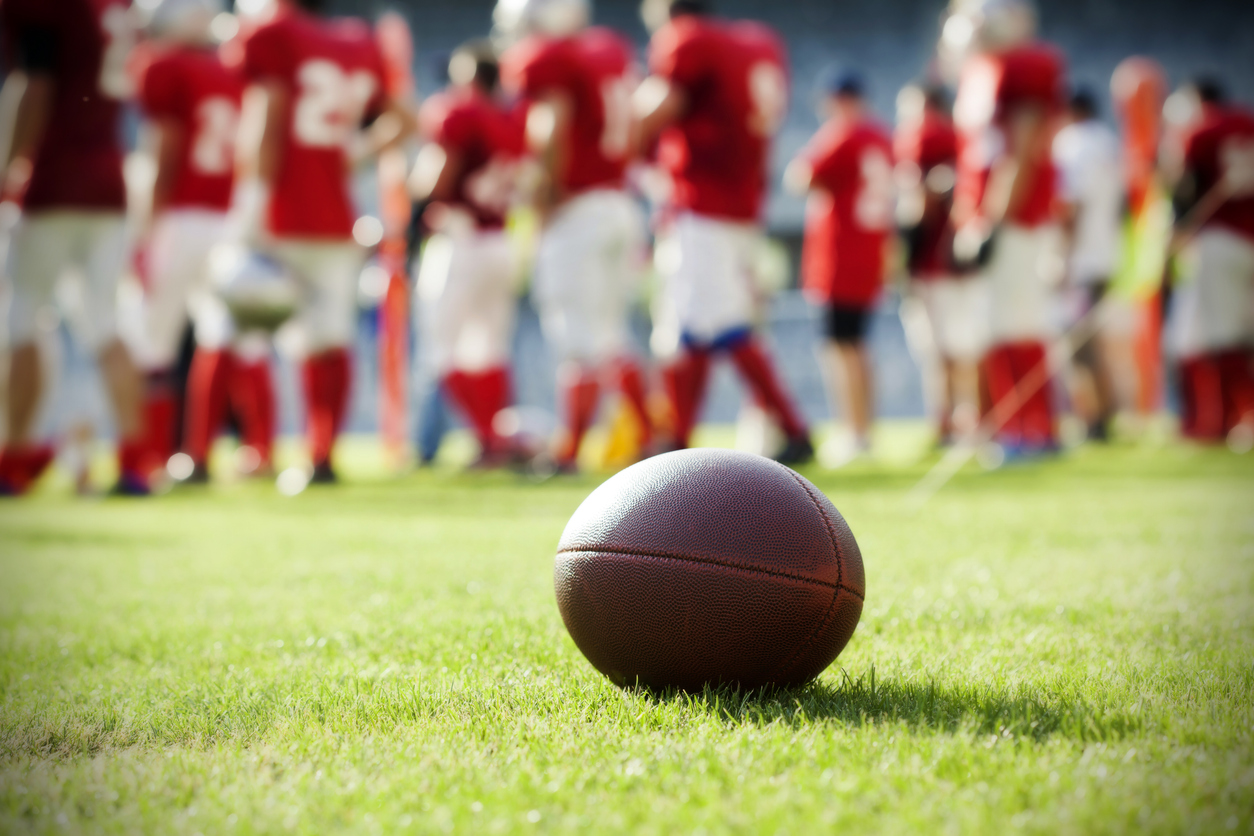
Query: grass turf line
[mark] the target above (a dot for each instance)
(1057, 648)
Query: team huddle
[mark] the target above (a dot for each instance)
(244, 222)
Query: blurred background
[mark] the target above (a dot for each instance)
(892, 43)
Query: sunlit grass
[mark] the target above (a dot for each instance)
(1067, 647)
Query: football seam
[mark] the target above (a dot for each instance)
(827, 523)
(711, 562)
(788, 664)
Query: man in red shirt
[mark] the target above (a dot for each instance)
(1010, 99)
(312, 83)
(577, 83)
(946, 316)
(847, 169)
(63, 164)
(467, 177)
(717, 95)
(191, 101)
(1211, 328)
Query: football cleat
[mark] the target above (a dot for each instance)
(799, 450)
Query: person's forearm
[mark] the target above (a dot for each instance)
(658, 104)
(25, 106)
(260, 133)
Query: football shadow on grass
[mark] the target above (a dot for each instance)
(867, 701)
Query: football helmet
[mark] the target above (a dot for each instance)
(555, 18)
(258, 291)
(987, 25)
(183, 20)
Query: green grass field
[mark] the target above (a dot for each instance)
(1061, 648)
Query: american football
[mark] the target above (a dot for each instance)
(709, 567)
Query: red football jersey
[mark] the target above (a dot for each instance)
(992, 88)
(850, 213)
(193, 88)
(335, 77)
(735, 78)
(78, 163)
(931, 144)
(487, 140)
(593, 70)
(1222, 145)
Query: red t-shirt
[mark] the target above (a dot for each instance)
(487, 140)
(850, 213)
(78, 162)
(931, 145)
(1222, 145)
(992, 89)
(193, 88)
(593, 71)
(334, 74)
(735, 78)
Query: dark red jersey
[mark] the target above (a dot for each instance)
(931, 146)
(1222, 146)
(334, 75)
(191, 87)
(736, 82)
(992, 90)
(928, 143)
(850, 213)
(487, 141)
(592, 70)
(84, 46)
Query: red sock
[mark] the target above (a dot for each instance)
(21, 466)
(326, 399)
(685, 381)
(159, 417)
(580, 393)
(631, 384)
(480, 395)
(756, 369)
(252, 397)
(1237, 381)
(1202, 394)
(1032, 422)
(1037, 414)
(134, 458)
(495, 392)
(206, 401)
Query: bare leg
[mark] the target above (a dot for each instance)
(125, 386)
(965, 382)
(25, 391)
(861, 397)
(850, 380)
(946, 398)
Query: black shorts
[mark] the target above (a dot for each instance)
(846, 323)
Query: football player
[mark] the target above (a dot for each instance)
(1010, 98)
(717, 94)
(1092, 195)
(847, 168)
(1211, 328)
(312, 83)
(191, 102)
(64, 165)
(577, 82)
(953, 333)
(466, 176)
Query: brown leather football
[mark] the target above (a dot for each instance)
(709, 567)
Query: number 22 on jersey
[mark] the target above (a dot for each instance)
(331, 103)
